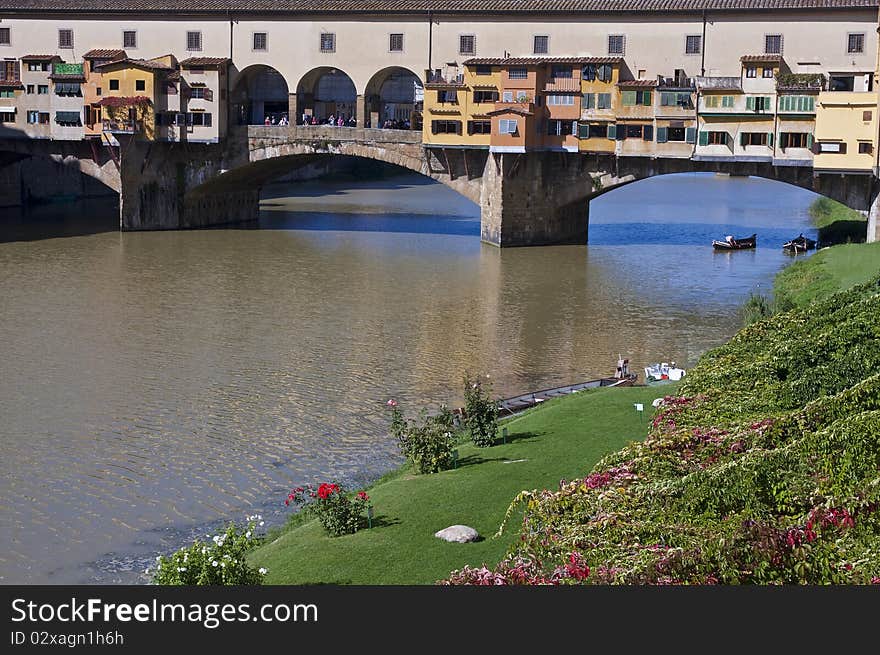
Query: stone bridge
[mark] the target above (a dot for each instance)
(533, 198)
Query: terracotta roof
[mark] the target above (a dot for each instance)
(403, 6)
(533, 61)
(11, 84)
(760, 59)
(204, 61)
(137, 63)
(99, 53)
(513, 109)
(71, 77)
(638, 83)
(40, 58)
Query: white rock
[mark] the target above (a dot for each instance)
(458, 533)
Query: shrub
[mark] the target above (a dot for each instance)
(337, 513)
(428, 442)
(756, 308)
(220, 562)
(481, 411)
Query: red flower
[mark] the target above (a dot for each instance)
(325, 490)
(363, 496)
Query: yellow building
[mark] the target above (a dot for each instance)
(846, 132)
(445, 106)
(599, 102)
(483, 81)
(132, 90)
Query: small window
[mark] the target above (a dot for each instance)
(42, 89)
(616, 44)
(260, 41)
(483, 70)
(866, 116)
(767, 72)
(479, 127)
(44, 118)
(865, 148)
(114, 85)
(604, 73)
(716, 138)
(467, 44)
(30, 89)
(485, 96)
(507, 126)
(5, 38)
(194, 41)
(518, 73)
(395, 42)
(693, 44)
(541, 44)
(98, 91)
(140, 85)
(773, 44)
(751, 71)
(33, 117)
(129, 39)
(562, 72)
(855, 43)
(603, 101)
(328, 42)
(65, 38)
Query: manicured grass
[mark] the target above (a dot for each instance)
(562, 439)
(828, 271)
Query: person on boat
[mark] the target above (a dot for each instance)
(729, 239)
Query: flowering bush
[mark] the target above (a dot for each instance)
(222, 561)
(338, 513)
(481, 411)
(428, 442)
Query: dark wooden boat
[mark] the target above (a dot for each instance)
(799, 244)
(736, 244)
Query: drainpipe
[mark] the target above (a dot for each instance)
(703, 49)
(228, 66)
(430, 37)
(877, 115)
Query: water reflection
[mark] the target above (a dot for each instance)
(155, 383)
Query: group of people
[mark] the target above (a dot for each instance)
(394, 124)
(333, 121)
(273, 120)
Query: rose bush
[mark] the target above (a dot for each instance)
(338, 513)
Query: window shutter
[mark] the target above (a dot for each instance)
(742, 138)
(458, 127)
(433, 127)
(728, 139)
(662, 134)
(646, 98)
(620, 132)
(208, 95)
(842, 148)
(648, 133)
(207, 120)
(750, 103)
(583, 130)
(628, 98)
(767, 104)
(704, 138)
(811, 103)
(770, 139)
(690, 134)
(612, 131)
(810, 141)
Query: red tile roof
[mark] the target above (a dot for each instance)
(99, 53)
(40, 58)
(760, 59)
(641, 84)
(239, 7)
(534, 61)
(200, 62)
(512, 109)
(137, 63)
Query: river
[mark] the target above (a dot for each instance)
(155, 384)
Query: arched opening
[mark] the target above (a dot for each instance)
(261, 92)
(394, 99)
(324, 93)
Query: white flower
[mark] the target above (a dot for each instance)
(213, 562)
(247, 534)
(223, 564)
(181, 569)
(158, 558)
(147, 571)
(263, 571)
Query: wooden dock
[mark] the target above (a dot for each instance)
(510, 406)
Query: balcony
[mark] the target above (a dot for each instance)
(449, 78)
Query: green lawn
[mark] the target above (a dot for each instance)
(837, 223)
(830, 270)
(562, 439)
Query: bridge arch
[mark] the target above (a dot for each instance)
(323, 92)
(394, 98)
(259, 91)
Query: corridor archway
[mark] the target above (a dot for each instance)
(324, 92)
(260, 92)
(394, 99)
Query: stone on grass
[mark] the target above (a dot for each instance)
(458, 533)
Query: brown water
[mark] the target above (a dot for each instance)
(154, 384)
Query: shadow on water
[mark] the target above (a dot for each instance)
(339, 186)
(72, 218)
(396, 223)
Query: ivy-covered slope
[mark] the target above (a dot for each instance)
(765, 470)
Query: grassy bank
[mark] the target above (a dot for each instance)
(828, 271)
(837, 223)
(561, 439)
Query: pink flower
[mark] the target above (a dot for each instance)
(362, 495)
(392, 403)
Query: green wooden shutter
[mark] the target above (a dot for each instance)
(742, 138)
(750, 103)
(770, 139)
(648, 133)
(767, 104)
(662, 134)
(704, 138)
(810, 141)
(583, 130)
(727, 138)
(665, 98)
(811, 103)
(612, 131)
(628, 98)
(690, 134)
(646, 98)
